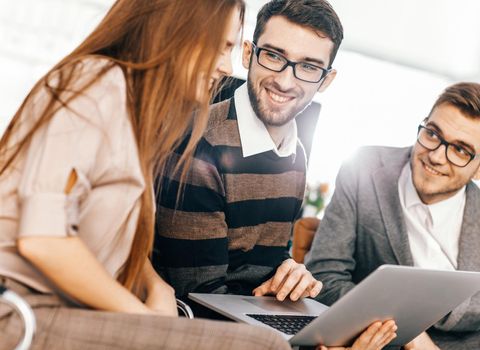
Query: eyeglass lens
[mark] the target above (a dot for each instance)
(456, 154)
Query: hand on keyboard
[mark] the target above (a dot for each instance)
(291, 279)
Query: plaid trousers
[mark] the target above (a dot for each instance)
(63, 327)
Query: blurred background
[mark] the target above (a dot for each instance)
(397, 57)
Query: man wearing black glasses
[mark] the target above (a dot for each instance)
(230, 230)
(411, 206)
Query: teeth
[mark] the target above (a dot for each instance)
(432, 171)
(278, 98)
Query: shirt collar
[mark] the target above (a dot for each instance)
(440, 211)
(254, 136)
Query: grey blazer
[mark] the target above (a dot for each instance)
(363, 228)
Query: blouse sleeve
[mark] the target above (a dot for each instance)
(69, 142)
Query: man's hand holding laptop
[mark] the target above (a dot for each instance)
(293, 280)
(375, 337)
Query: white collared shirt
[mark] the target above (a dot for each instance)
(433, 230)
(254, 136)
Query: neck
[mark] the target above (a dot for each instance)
(277, 133)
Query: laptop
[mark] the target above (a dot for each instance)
(415, 298)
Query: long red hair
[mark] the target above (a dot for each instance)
(166, 49)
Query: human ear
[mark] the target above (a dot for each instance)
(476, 176)
(247, 53)
(327, 80)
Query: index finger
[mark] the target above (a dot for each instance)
(282, 273)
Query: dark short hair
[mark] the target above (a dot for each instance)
(315, 14)
(464, 96)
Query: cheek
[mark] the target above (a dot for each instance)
(462, 174)
(259, 79)
(418, 152)
(309, 93)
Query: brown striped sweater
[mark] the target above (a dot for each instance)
(232, 226)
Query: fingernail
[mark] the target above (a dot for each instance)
(294, 296)
(280, 296)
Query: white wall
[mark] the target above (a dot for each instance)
(34, 35)
(370, 102)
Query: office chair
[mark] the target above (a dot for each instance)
(185, 309)
(24, 310)
(303, 234)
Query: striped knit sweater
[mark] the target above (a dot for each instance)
(231, 228)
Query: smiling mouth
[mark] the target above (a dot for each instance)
(431, 171)
(278, 98)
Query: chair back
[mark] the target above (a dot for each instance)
(303, 233)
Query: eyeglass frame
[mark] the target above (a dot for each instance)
(446, 144)
(293, 64)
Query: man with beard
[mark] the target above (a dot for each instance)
(228, 229)
(411, 206)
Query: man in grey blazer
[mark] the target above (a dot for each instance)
(411, 206)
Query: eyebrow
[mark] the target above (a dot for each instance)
(305, 59)
(457, 142)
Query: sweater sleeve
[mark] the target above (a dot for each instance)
(191, 246)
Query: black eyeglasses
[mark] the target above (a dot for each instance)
(455, 154)
(301, 70)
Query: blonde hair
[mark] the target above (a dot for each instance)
(465, 96)
(152, 41)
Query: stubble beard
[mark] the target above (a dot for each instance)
(270, 118)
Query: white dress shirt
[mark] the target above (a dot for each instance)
(433, 230)
(254, 136)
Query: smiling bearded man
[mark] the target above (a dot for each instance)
(229, 230)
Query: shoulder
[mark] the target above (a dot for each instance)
(369, 160)
(375, 156)
(218, 114)
(111, 78)
(222, 130)
(101, 90)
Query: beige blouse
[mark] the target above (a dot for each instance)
(94, 138)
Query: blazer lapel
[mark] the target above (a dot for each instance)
(469, 245)
(385, 182)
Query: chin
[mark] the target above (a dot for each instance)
(275, 118)
(276, 121)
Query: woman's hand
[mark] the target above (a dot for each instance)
(375, 337)
(160, 295)
(161, 300)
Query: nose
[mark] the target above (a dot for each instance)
(438, 156)
(285, 79)
(224, 64)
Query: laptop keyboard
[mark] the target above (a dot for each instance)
(288, 324)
